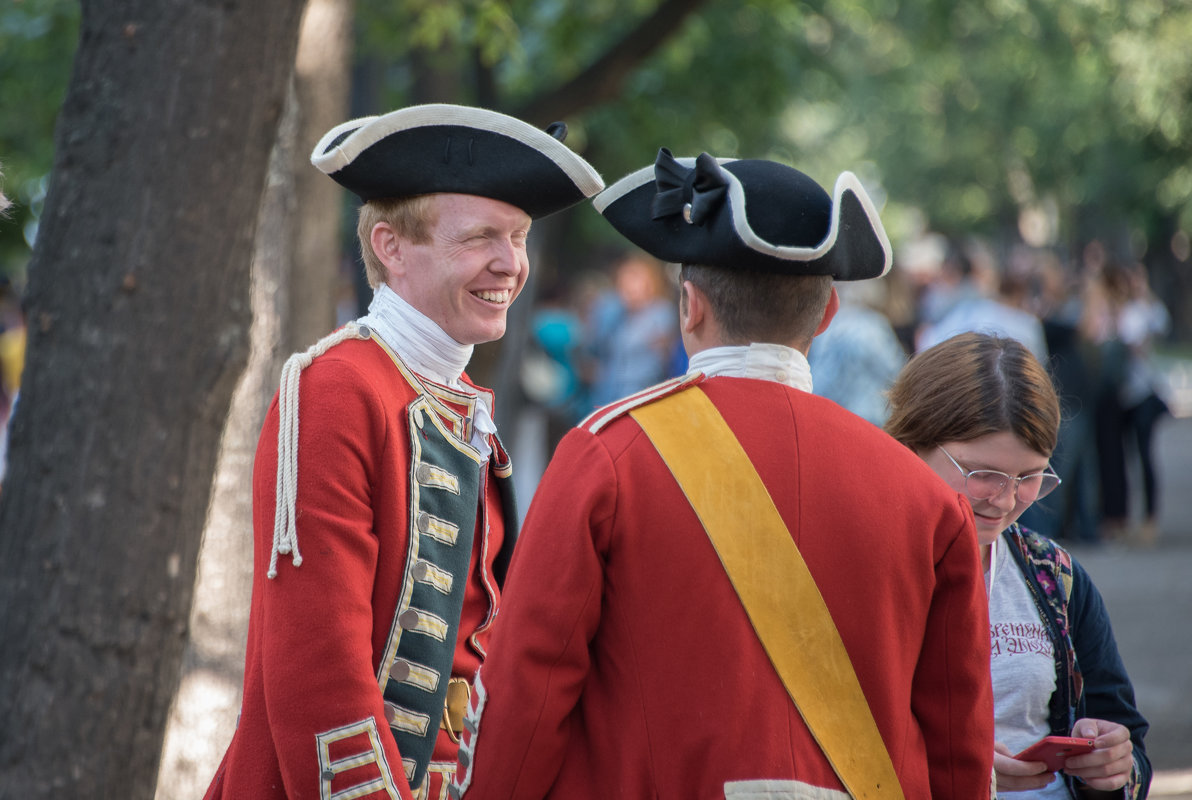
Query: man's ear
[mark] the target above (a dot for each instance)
(693, 306)
(386, 246)
(829, 312)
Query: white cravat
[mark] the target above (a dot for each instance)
(767, 362)
(423, 345)
(429, 351)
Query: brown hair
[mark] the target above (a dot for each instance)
(412, 218)
(762, 307)
(970, 386)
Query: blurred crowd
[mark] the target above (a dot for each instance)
(12, 350)
(1092, 320)
(12, 361)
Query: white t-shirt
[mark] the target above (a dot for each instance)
(1022, 665)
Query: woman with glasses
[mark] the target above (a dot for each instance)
(982, 412)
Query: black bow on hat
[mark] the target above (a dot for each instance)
(748, 214)
(693, 192)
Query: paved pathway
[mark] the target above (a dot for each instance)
(1148, 591)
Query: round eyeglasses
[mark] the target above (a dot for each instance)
(986, 484)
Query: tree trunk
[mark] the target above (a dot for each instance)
(138, 304)
(203, 716)
(294, 279)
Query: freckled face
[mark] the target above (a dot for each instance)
(1002, 451)
(472, 269)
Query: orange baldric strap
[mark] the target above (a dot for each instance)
(774, 585)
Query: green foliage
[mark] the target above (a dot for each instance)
(1007, 106)
(963, 112)
(971, 111)
(37, 41)
(389, 31)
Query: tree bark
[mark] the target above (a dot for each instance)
(203, 717)
(295, 275)
(138, 307)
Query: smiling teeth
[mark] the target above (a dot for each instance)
(495, 297)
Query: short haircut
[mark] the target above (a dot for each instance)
(411, 217)
(972, 385)
(760, 306)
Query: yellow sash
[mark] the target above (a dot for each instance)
(775, 587)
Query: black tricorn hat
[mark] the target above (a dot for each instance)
(748, 214)
(440, 147)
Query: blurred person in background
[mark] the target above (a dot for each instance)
(1123, 317)
(982, 412)
(637, 339)
(1107, 293)
(1001, 310)
(856, 359)
(1143, 318)
(1071, 511)
(550, 368)
(12, 347)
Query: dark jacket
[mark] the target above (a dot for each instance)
(1096, 683)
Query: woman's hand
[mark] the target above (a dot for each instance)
(1017, 776)
(1110, 763)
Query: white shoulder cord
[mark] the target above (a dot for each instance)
(285, 534)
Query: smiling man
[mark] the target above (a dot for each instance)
(379, 472)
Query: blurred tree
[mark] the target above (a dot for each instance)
(1053, 123)
(138, 309)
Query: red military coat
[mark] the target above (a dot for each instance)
(623, 664)
(374, 445)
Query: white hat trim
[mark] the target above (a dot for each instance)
(370, 130)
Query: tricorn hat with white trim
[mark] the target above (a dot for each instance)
(440, 147)
(748, 214)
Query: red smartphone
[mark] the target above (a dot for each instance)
(1055, 750)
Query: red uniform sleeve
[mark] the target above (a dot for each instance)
(322, 698)
(539, 657)
(954, 664)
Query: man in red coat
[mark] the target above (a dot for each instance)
(625, 662)
(379, 472)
